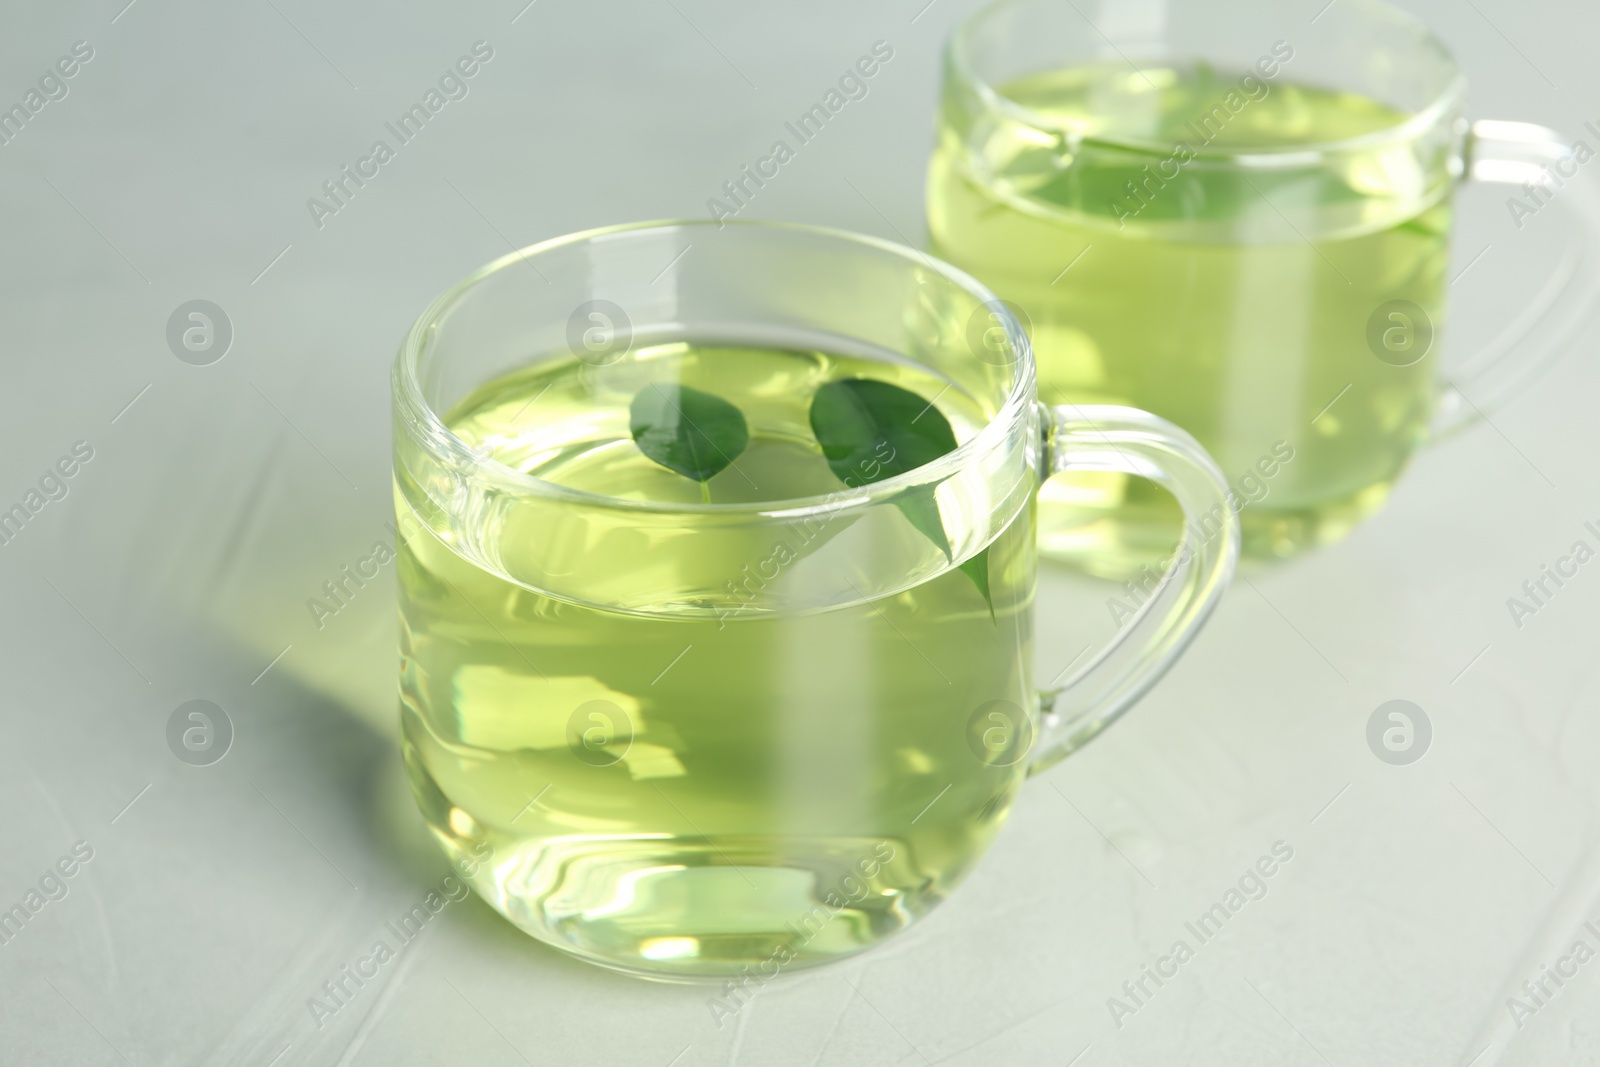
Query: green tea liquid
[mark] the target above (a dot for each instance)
(1231, 300)
(672, 790)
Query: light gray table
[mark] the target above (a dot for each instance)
(219, 898)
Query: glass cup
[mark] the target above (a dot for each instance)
(680, 738)
(1236, 216)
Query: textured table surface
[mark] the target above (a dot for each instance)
(216, 900)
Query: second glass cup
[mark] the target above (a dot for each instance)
(1237, 215)
(718, 578)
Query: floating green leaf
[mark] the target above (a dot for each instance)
(871, 430)
(977, 568)
(687, 431)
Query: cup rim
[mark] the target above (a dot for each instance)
(428, 427)
(1444, 103)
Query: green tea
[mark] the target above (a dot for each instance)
(1234, 296)
(687, 787)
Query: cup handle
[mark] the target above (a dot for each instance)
(1166, 610)
(1512, 153)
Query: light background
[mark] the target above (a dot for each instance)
(178, 567)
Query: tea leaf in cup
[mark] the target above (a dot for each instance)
(689, 432)
(871, 430)
(977, 568)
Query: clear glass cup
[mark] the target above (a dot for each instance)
(1236, 215)
(689, 739)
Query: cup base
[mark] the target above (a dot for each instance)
(685, 909)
